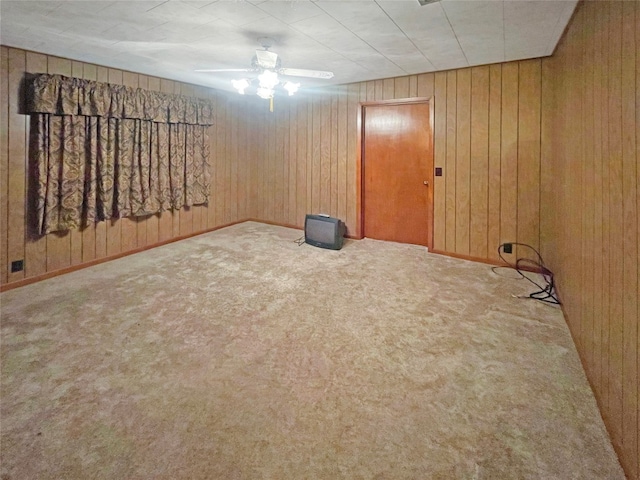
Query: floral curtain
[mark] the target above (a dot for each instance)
(102, 151)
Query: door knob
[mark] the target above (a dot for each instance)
(426, 183)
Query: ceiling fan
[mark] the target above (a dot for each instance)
(268, 66)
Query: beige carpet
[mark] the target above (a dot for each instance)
(240, 355)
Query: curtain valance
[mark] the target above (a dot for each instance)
(100, 151)
(60, 95)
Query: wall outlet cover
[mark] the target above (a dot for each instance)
(17, 266)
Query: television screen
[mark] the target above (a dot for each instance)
(324, 231)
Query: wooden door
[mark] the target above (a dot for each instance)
(397, 170)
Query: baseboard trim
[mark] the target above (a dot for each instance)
(276, 224)
(98, 261)
(488, 261)
(287, 225)
(62, 271)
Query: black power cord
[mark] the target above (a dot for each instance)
(547, 292)
(299, 241)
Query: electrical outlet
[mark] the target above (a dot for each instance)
(17, 266)
(507, 248)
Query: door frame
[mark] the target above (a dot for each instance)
(360, 161)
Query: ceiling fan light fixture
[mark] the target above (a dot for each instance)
(291, 87)
(266, 59)
(240, 85)
(267, 66)
(268, 79)
(265, 93)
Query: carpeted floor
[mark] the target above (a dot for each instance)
(240, 355)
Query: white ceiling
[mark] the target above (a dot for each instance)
(357, 40)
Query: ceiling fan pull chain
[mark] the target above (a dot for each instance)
(271, 104)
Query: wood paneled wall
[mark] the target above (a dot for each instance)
(487, 137)
(591, 204)
(231, 165)
(303, 158)
(306, 157)
(543, 152)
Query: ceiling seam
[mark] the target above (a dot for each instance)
(291, 25)
(504, 36)
(358, 36)
(455, 35)
(406, 36)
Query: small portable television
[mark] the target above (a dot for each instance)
(324, 231)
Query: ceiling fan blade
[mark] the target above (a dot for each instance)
(227, 70)
(300, 72)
